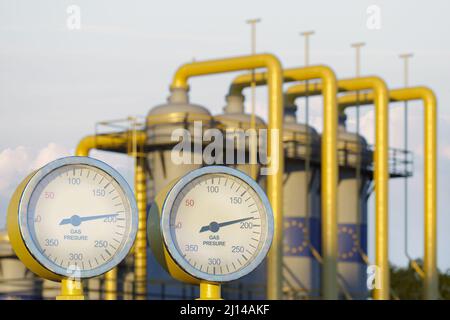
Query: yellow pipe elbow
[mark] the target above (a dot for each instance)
(380, 97)
(381, 173)
(244, 80)
(85, 146)
(431, 285)
(430, 153)
(109, 142)
(300, 90)
(188, 70)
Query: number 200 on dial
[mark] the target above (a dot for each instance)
(217, 224)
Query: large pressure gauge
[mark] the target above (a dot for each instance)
(74, 217)
(216, 225)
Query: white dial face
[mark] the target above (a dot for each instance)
(219, 225)
(78, 219)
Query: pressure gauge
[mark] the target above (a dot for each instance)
(216, 224)
(74, 217)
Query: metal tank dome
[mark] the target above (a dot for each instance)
(234, 115)
(162, 121)
(234, 119)
(349, 144)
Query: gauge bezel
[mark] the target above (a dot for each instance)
(25, 231)
(170, 243)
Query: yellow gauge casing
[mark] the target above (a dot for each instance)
(23, 243)
(15, 236)
(164, 246)
(156, 243)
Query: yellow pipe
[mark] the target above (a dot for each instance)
(428, 97)
(140, 246)
(111, 284)
(210, 291)
(380, 168)
(275, 143)
(328, 164)
(71, 290)
(119, 142)
(300, 90)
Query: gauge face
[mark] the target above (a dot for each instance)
(78, 217)
(217, 224)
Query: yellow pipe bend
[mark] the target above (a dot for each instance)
(431, 285)
(300, 90)
(275, 143)
(188, 70)
(381, 172)
(140, 245)
(108, 142)
(329, 163)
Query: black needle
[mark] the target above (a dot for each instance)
(76, 220)
(214, 226)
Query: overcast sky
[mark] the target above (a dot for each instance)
(56, 82)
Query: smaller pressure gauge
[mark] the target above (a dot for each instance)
(74, 217)
(216, 224)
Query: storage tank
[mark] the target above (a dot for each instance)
(162, 120)
(301, 209)
(353, 152)
(233, 121)
(16, 281)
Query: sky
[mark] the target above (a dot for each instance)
(56, 82)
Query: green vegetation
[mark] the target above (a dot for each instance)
(407, 284)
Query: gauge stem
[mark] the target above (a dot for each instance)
(71, 290)
(210, 291)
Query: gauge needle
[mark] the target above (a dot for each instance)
(214, 226)
(76, 220)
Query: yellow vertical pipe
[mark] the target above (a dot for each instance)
(381, 189)
(329, 177)
(210, 291)
(111, 284)
(140, 247)
(275, 143)
(430, 259)
(275, 183)
(431, 285)
(329, 164)
(254, 142)
(254, 146)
